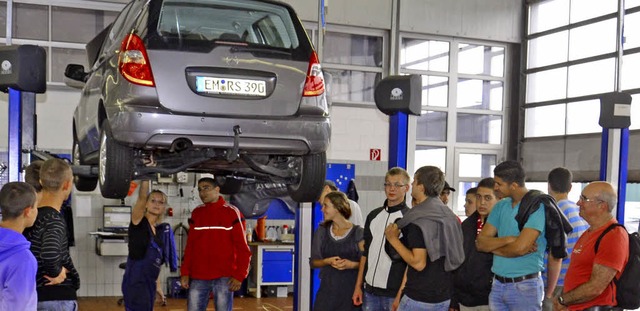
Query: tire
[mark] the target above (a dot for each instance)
(81, 183)
(312, 170)
(115, 165)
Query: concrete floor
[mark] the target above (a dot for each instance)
(245, 303)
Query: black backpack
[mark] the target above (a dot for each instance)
(627, 286)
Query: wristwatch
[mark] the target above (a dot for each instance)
(561, 300)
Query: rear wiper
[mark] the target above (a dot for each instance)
(240, 48)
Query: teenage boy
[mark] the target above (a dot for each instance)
(57, 279)
(18, 266)
(217, 257)
(472, 281)
(380, 276)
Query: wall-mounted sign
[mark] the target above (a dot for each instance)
(374, 154)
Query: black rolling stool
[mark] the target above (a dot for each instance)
(122, 265)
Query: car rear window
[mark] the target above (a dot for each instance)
(253, 22)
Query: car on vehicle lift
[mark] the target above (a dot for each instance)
(228, 87)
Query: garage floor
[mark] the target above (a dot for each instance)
(244, 303)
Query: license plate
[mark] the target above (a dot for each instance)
(231, 86)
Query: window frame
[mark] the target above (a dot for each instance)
(450, 144)
(50, 44)
(382, 71)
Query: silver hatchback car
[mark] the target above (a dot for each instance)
(228, 87)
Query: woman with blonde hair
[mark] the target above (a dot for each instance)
(145, 250)
(336, 249)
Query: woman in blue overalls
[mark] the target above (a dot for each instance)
(145, 250)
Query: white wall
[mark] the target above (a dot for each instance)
(356, 130)
(54, 111)
(497, 20)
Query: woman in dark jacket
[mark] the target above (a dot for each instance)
(472, 281)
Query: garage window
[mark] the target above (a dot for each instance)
(355, 62)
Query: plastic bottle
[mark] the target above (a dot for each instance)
(261, 231)
(249, 234)
(272, 235)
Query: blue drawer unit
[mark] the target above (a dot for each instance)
(271, 265)
(277, 266)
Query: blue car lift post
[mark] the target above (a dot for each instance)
(398, 136)
(615, 119)
(22, 130)
(614, 157)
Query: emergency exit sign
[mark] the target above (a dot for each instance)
(374, 154)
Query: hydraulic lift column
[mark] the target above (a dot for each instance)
(22, 74)
(615, 119)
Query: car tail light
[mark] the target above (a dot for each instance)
(314, 84)
(134, 62)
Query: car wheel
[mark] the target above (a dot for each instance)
(115, 165)
(312, 169)
(82, 183)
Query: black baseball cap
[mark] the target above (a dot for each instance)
(446, 186)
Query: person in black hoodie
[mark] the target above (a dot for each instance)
(472, 281)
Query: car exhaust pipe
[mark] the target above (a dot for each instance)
(180, 144)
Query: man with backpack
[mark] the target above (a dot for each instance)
(598, 257)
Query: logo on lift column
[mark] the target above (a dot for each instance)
(396, 94)
(6, 67)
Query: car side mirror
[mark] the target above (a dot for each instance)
(75, 76)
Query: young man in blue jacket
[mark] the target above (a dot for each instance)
(18, 266)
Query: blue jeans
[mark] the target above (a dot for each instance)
(199, 294)
(373, 302)
(522, 296)
(58, 305)
(408, 304)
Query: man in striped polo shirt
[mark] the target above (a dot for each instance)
(559, 185)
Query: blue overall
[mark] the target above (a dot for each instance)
(139, 281)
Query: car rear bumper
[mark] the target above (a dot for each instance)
(150, 129)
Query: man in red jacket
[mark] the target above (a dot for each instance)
(217, 256)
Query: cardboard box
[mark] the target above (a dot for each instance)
(282, 291)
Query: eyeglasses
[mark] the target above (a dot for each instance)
(394, 186)
(585, 199)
